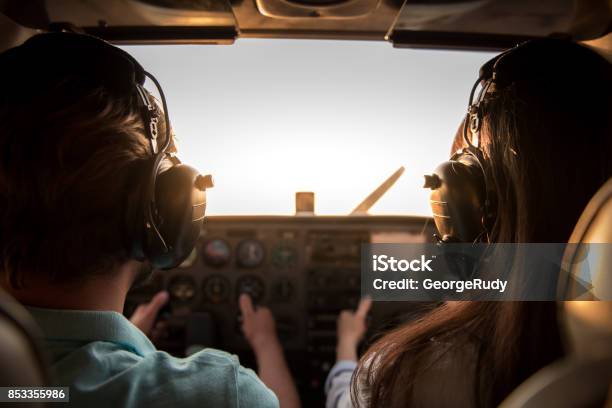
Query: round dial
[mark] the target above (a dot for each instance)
(250, 253)
(216, 289)
(216, 252)
(252, 286)
(284, 255)
(182, 288)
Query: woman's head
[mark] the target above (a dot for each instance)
(546, 139)
(546, 142)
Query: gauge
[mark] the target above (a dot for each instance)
(216, 252)
(182, 288)
(250, 253)
(216, 289)
(252, 286)
(284, 255)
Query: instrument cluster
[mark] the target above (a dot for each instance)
(305, 269)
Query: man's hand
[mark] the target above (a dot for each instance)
(259, 329)
(351, 329)
(258, 325)
(144, 316)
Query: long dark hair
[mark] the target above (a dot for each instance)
(548, 146)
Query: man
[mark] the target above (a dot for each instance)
(75, 149)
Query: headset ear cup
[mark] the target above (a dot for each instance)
(457, 200)
(180, 209)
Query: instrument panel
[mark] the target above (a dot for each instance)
(306, 269)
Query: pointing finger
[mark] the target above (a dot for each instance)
(246, 304)
(364, 307)
(158, 301)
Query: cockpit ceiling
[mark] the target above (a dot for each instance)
(425, 23)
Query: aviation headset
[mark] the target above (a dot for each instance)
(165, 212)
(462, 201)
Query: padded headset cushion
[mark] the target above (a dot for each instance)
(458, 203)
(180, 214)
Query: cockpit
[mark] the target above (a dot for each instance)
(317, 120)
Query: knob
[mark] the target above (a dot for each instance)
(203, 182)
(432, 181)
(251, 285)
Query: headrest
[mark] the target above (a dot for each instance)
(588, 322)
(23, 359)
(46, 60)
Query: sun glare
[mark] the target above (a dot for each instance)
(269, 118)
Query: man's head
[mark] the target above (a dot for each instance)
(73, 149)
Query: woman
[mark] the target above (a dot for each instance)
(546, 139)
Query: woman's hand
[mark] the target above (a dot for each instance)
(351, 329)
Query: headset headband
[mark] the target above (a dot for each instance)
(532, 62)
(45, 60)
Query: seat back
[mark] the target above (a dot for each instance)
(23, 363)
(584, 378)
(588, 323)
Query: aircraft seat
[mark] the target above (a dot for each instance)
(23, 362)
(584, 377)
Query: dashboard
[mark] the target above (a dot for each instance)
(306, 269)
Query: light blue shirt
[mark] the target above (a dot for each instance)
(338, 384)
(108, 362)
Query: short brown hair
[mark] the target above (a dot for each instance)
(68, 164)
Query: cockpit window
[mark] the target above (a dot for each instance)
(269, 118)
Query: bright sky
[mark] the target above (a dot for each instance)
(268, 118)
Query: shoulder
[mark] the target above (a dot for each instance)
(444, 379)
(218, 376)
(449, 377)
(252, 392)
(207, 378)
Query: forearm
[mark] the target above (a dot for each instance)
(346, 350)
(274, 372)
(337, 384)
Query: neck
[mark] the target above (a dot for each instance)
(105, 292)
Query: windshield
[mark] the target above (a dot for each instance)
(268, 118)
